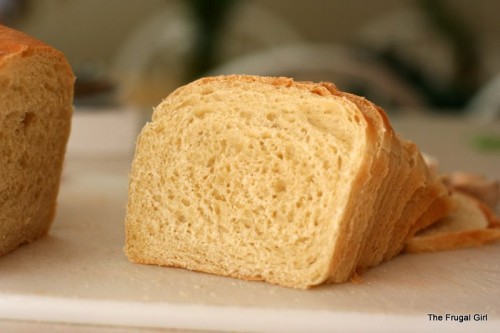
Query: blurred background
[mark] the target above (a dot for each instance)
(441, 56)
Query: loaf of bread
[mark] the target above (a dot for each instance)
(36, 93)
(261, 178)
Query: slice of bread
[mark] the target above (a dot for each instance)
(271, 179)
(471, 224)
(478, 186)
(428, 204)
(36, 93)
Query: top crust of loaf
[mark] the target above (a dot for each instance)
(14, 43)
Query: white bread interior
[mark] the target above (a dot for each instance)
(271, 179)
(36, 93)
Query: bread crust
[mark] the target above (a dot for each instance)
(378, 179)
(14, 43)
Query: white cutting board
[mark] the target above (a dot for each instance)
(79, 274)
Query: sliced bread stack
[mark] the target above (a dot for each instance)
(472, 224)
(474, 221)
(36, 95)
(262, 178)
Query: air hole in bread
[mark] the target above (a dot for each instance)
(4, 84)
(37, 194)
(210, 162)
(181, 218)
(49, 87)
(247, 223)
(217, 195)
(28, 118)
(207, 91)
(266, 135)
(23, 160)
(200, 114)
(222, 229)
(279, 186)
(271, 117)
(245, 114)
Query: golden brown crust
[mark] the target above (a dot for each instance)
(440, 207)
(15, 43)
(373, 175)
(383, 166)
(454, 240)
